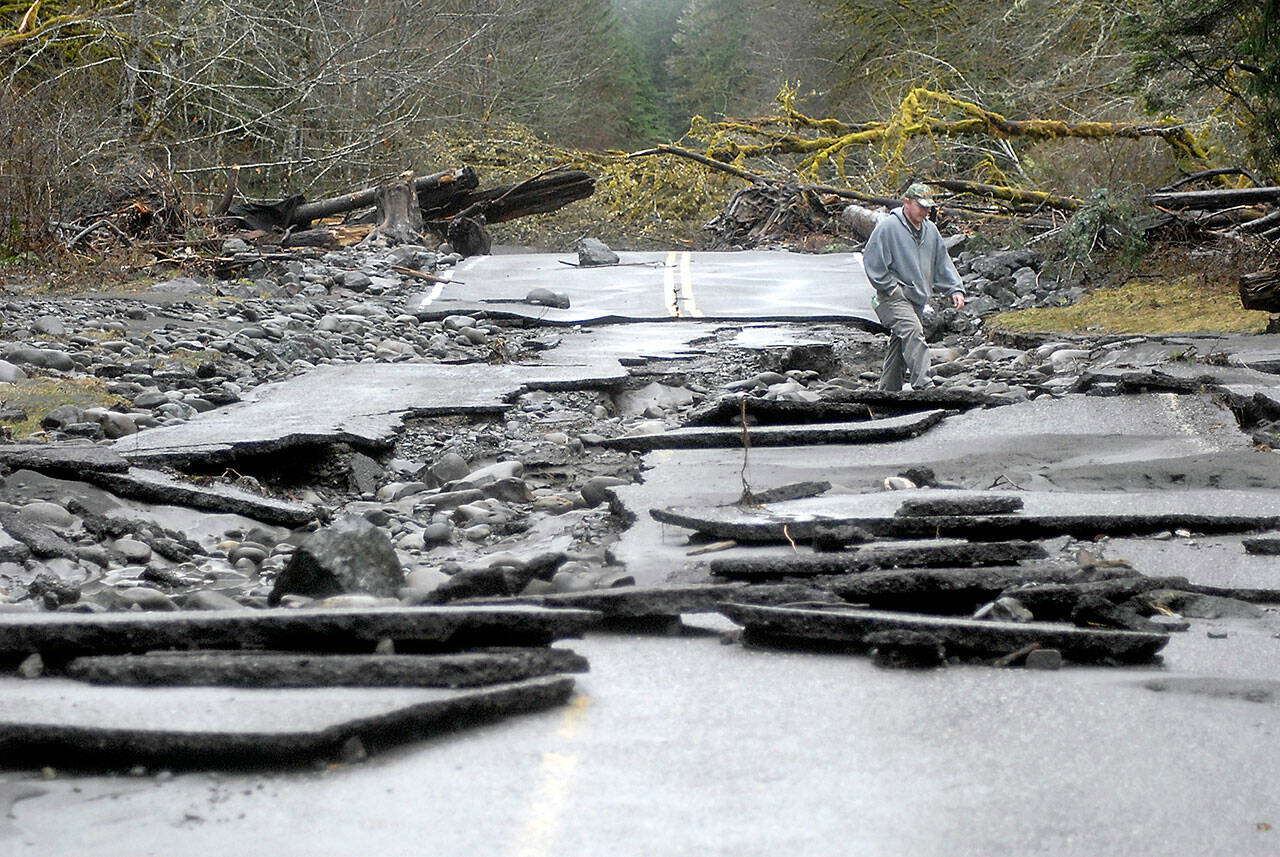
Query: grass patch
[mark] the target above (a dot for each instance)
(40, 395)
(1183, 303)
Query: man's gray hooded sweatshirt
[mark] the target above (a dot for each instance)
(896, 254)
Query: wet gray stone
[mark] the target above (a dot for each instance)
(450, 467)
(335, 630)
(963, 637)
(280, 669)
(349, 556)
(45, 358)
(546, 297)
(592, 252)
(40, 539)
(1043, 659)
(48, 721)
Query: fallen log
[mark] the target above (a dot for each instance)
(446, 183)
(539, 195)
(1215, 199)
(1261, 291)
(1011, 194)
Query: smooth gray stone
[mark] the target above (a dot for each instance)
(593, 252)
(154, 486)
(450, 499)
(866, 431)
(45, 358)
(279, 669)
(862, 558)
(51, 720)
(965, 637)
(334, 630)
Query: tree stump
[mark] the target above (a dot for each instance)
(399, 218)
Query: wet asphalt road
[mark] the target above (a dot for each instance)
(687, 746)
(690, 747)
(662, 285)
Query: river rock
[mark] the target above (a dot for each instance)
(592, 253)
(351, 555)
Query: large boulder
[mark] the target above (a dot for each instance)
(351, 555)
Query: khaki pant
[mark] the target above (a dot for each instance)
(907, 351)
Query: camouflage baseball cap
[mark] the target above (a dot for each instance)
(922, 194)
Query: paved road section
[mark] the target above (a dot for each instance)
(689, 747)
(1102, 446)
(659, 286)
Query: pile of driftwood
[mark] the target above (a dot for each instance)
(134, 202)
(146, 212)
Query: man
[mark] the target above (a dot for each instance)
(905, 261)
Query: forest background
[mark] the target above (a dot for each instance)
(320, 97)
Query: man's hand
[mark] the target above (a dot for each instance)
(957, 300)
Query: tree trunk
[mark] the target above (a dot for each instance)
(399, 217)
(444, 184)
(1213, 199)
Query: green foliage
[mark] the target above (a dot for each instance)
(1229, 47)
(1107, 223)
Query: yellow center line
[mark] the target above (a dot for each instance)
(542, 819)
(686, 285)
(669, 286)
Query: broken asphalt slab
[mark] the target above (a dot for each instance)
(633, 602)
(62, 460)
(655, 286)
(475, 668)
(865, 557)
(1045, 513)
(963, 637)
(864, 431)
(949, 591)
(838, 406)
(56, 635)
(362, 404)
(59, 721)
(153, 486)
(1135, 447)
